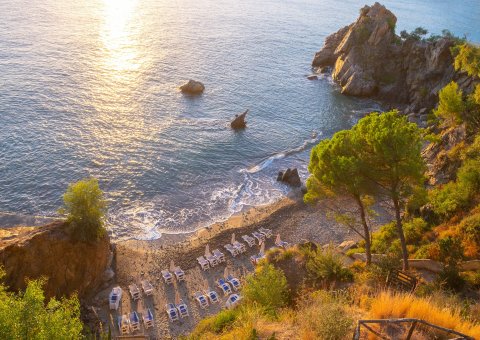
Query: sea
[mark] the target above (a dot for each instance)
(90, 89)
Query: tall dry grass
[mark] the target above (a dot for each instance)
(396, 305)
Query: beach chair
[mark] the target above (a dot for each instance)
(232, 301)
(182, 308)
(240, 246)
(280, 243)
(167, 277)
(179, 274)
(219, 255)
(123, 324)
(225, 287)
(256, 258)
(201, 299)
(147, 287)
(114, 298)
(267, 232)
(260, 237)
(148, 319)
(213, 296)
(231, 249)
(212, 260)
(134, 321)
(172, 312)
(250, 240)
(203, 263)
(134, 291)
(234, 282)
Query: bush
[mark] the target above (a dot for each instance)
(451, 105)
(467, 59)
(86, 208)
(449, 278)
(448, 199)
(326, 267)
(267, 287)
(324, 317)
(27, 316)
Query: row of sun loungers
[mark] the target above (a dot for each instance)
(131, 322)
(204, 299)
(168, 277)
(176, 311)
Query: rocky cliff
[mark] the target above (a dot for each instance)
(368, 59)
(48, 251)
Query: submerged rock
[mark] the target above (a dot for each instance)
(312, 77)
(290, 177)
(239, 121)
(192, 87)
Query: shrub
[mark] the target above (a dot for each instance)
(324, 317)
(326, 267)
(448, 199)
(86, 208)
(415, 229)
(449, 278)
(467, 59)
(450, 105)
(28, 316)
(267, 287)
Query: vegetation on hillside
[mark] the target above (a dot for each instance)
(27, 315)
(85, 208)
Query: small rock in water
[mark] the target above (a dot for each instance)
(312, 77)
(290, 177)
(239, 121)
(192, 87)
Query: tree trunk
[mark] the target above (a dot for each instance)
(400, 232)
(366, 231)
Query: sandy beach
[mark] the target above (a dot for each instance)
(135, 261)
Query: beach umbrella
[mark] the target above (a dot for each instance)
(262, 248)
(172, 266)
(278, 240)
(207, 250)
(233, 238)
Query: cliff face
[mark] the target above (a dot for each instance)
(48, 251)
(368, 59)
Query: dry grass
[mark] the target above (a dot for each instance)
(387, 305)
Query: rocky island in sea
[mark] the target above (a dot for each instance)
(301, 271)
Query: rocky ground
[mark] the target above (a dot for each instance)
(138, 260)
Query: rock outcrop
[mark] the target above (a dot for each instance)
(48, 251)
(239, 121)
(368, 59)
(192, 87)
(290, 177)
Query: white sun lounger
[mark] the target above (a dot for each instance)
(232, 301)
(123, 324)
(172, 312)
(167, 277)
(231, 249)
(267, 232)
(201, 299)
(148, 319)
(250, 240)
(234, 282)
(203, 263)
(281, 244)
(179, 274)
(240, 246)
(147, 287)
(256, 258)
(115, 297)
(212, 296)
(219, 255)
(182, 308)
(134, 321)
(260, 237)
(134, 291)
(224, 286)
(212, 260)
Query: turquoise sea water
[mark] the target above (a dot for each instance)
(89, 88)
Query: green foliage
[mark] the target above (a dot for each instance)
(451, 250)
(86, 209)
(217, 323)
(449, 278)
(451, 105)
(467, 59)
(391, 24)
(267, 287)
(326, 267)
(417, 34)
(26, 316)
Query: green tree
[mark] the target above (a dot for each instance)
(336, 169)
(86, 209)
(390, 148)
(467, 59)
(267, 287)
(27, 316)
(451, 104)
